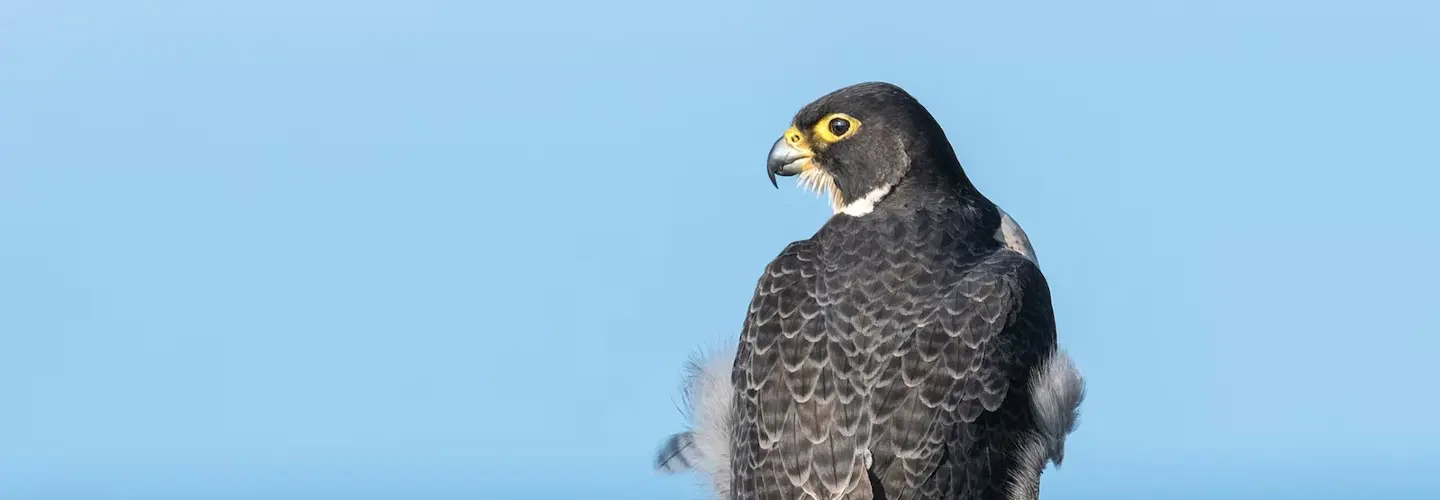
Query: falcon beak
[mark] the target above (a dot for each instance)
(789, 156)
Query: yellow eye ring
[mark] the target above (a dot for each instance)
(836, 126)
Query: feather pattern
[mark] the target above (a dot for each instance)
(896, 346)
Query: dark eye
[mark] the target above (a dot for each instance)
(839, 126)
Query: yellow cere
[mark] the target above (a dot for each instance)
(796, 140)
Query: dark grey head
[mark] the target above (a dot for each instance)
(860, 139)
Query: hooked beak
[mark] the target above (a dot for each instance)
(789, 156)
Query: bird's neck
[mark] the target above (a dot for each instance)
(933, 186)
(924, 204)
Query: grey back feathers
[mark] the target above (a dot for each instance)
(708, 401)
(1056, 390)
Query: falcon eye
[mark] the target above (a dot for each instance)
(835, 127)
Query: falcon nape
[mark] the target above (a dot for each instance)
(906, 350)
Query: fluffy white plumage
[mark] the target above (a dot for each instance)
(1056, 391)
(705, 444)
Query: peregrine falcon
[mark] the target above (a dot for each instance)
(906, 350)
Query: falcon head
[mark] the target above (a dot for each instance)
(858, 142)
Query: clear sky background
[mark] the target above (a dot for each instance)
(441, 250)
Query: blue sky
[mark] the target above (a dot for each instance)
(455, 249)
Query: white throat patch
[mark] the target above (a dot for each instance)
(819, 181)
(865, 204)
